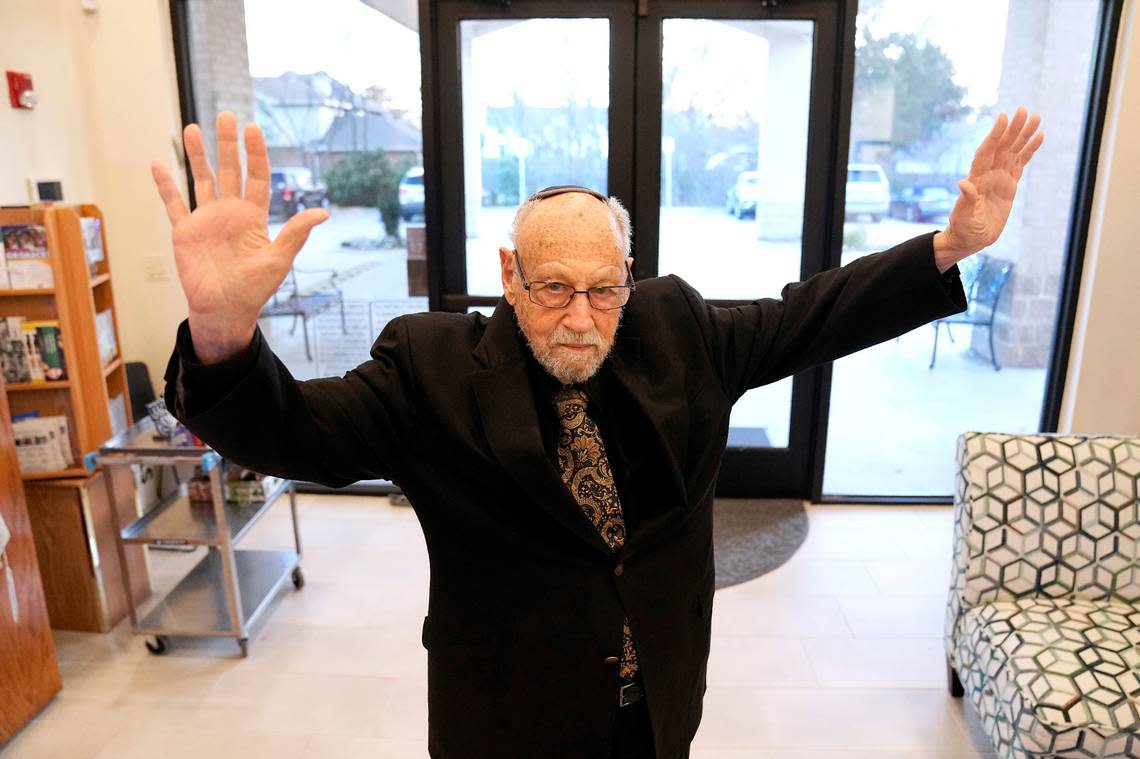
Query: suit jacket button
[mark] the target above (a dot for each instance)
(619, 570)
(612, 660)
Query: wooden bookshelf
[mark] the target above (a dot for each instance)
(21, 293)
(76, 296)
(17, 387)
(60, 474)
(70, 509)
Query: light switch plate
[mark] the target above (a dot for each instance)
(155, 269)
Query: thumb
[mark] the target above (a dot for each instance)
(968, 189)
(296, 231)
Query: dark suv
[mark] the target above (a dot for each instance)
(293, 190)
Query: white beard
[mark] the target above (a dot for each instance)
(569, 370)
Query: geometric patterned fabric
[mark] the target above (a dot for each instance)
(1043, 618)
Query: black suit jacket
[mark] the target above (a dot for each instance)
(525, 601)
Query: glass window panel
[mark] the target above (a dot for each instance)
(929, 80)
(530, 120)
(733, 161)
(337, 94)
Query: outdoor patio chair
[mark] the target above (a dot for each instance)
(983, 279)
(292, 300)
(1042, 629)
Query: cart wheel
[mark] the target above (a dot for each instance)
(298, 578)
(243, 644)
(158, 647)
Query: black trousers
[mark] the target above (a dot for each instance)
(633, 736)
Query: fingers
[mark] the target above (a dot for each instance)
(199, 164)
(175, 207)
(968, 190)
(984, 157)
(229, 160)
(1026, 153)
(1004, 155)
(1025, 134)
(293, 235)
(257, 166)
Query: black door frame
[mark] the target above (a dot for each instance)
(770, 472)
(634, 165)
(443, 116)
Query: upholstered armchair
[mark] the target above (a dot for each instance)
(1043, 621)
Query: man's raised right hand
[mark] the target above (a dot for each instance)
(226, 262)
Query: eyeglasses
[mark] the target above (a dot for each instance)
(559, 294)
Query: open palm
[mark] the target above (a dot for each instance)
(982, 210)
(226, 262)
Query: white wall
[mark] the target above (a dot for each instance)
(108, 107)
(52, 142)
(1102, 391)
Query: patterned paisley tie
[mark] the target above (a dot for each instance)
(586, 471)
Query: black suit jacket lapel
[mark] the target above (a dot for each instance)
(667, 410)
(506, 407)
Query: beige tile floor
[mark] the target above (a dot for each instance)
(836, 654)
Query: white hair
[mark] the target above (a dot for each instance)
(619, 221)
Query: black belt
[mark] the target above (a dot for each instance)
(631, 692)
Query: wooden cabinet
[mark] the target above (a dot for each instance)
(75, 543)
(69, 509)
(29, 676)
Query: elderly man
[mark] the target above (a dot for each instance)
(562, 455)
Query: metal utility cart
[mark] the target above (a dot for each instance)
(226, 592)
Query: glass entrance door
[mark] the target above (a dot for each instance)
(707, 126)
(736, 172)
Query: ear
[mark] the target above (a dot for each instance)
(507, 271)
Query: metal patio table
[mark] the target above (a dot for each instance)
(229, 589)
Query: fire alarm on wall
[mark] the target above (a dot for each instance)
(20, 92)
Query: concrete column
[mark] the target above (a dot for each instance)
(1045, 66)
(220, 59)
(783, 134)
(474, 116)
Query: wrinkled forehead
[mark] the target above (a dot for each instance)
(568, 228)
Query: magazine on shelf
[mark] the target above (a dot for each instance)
(26, 256)
(92, 242)
(42, 443)
(13, 351)
(105, 336)
(45, 351)
(117, 407)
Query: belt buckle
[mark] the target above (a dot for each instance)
(629, 693)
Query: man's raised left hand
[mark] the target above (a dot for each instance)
(982, 210)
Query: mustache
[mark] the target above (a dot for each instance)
(563, 335)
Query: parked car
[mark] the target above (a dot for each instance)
(868, 191)
(923, 202)
(412, 193)
(742, 196)
(293, 190)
